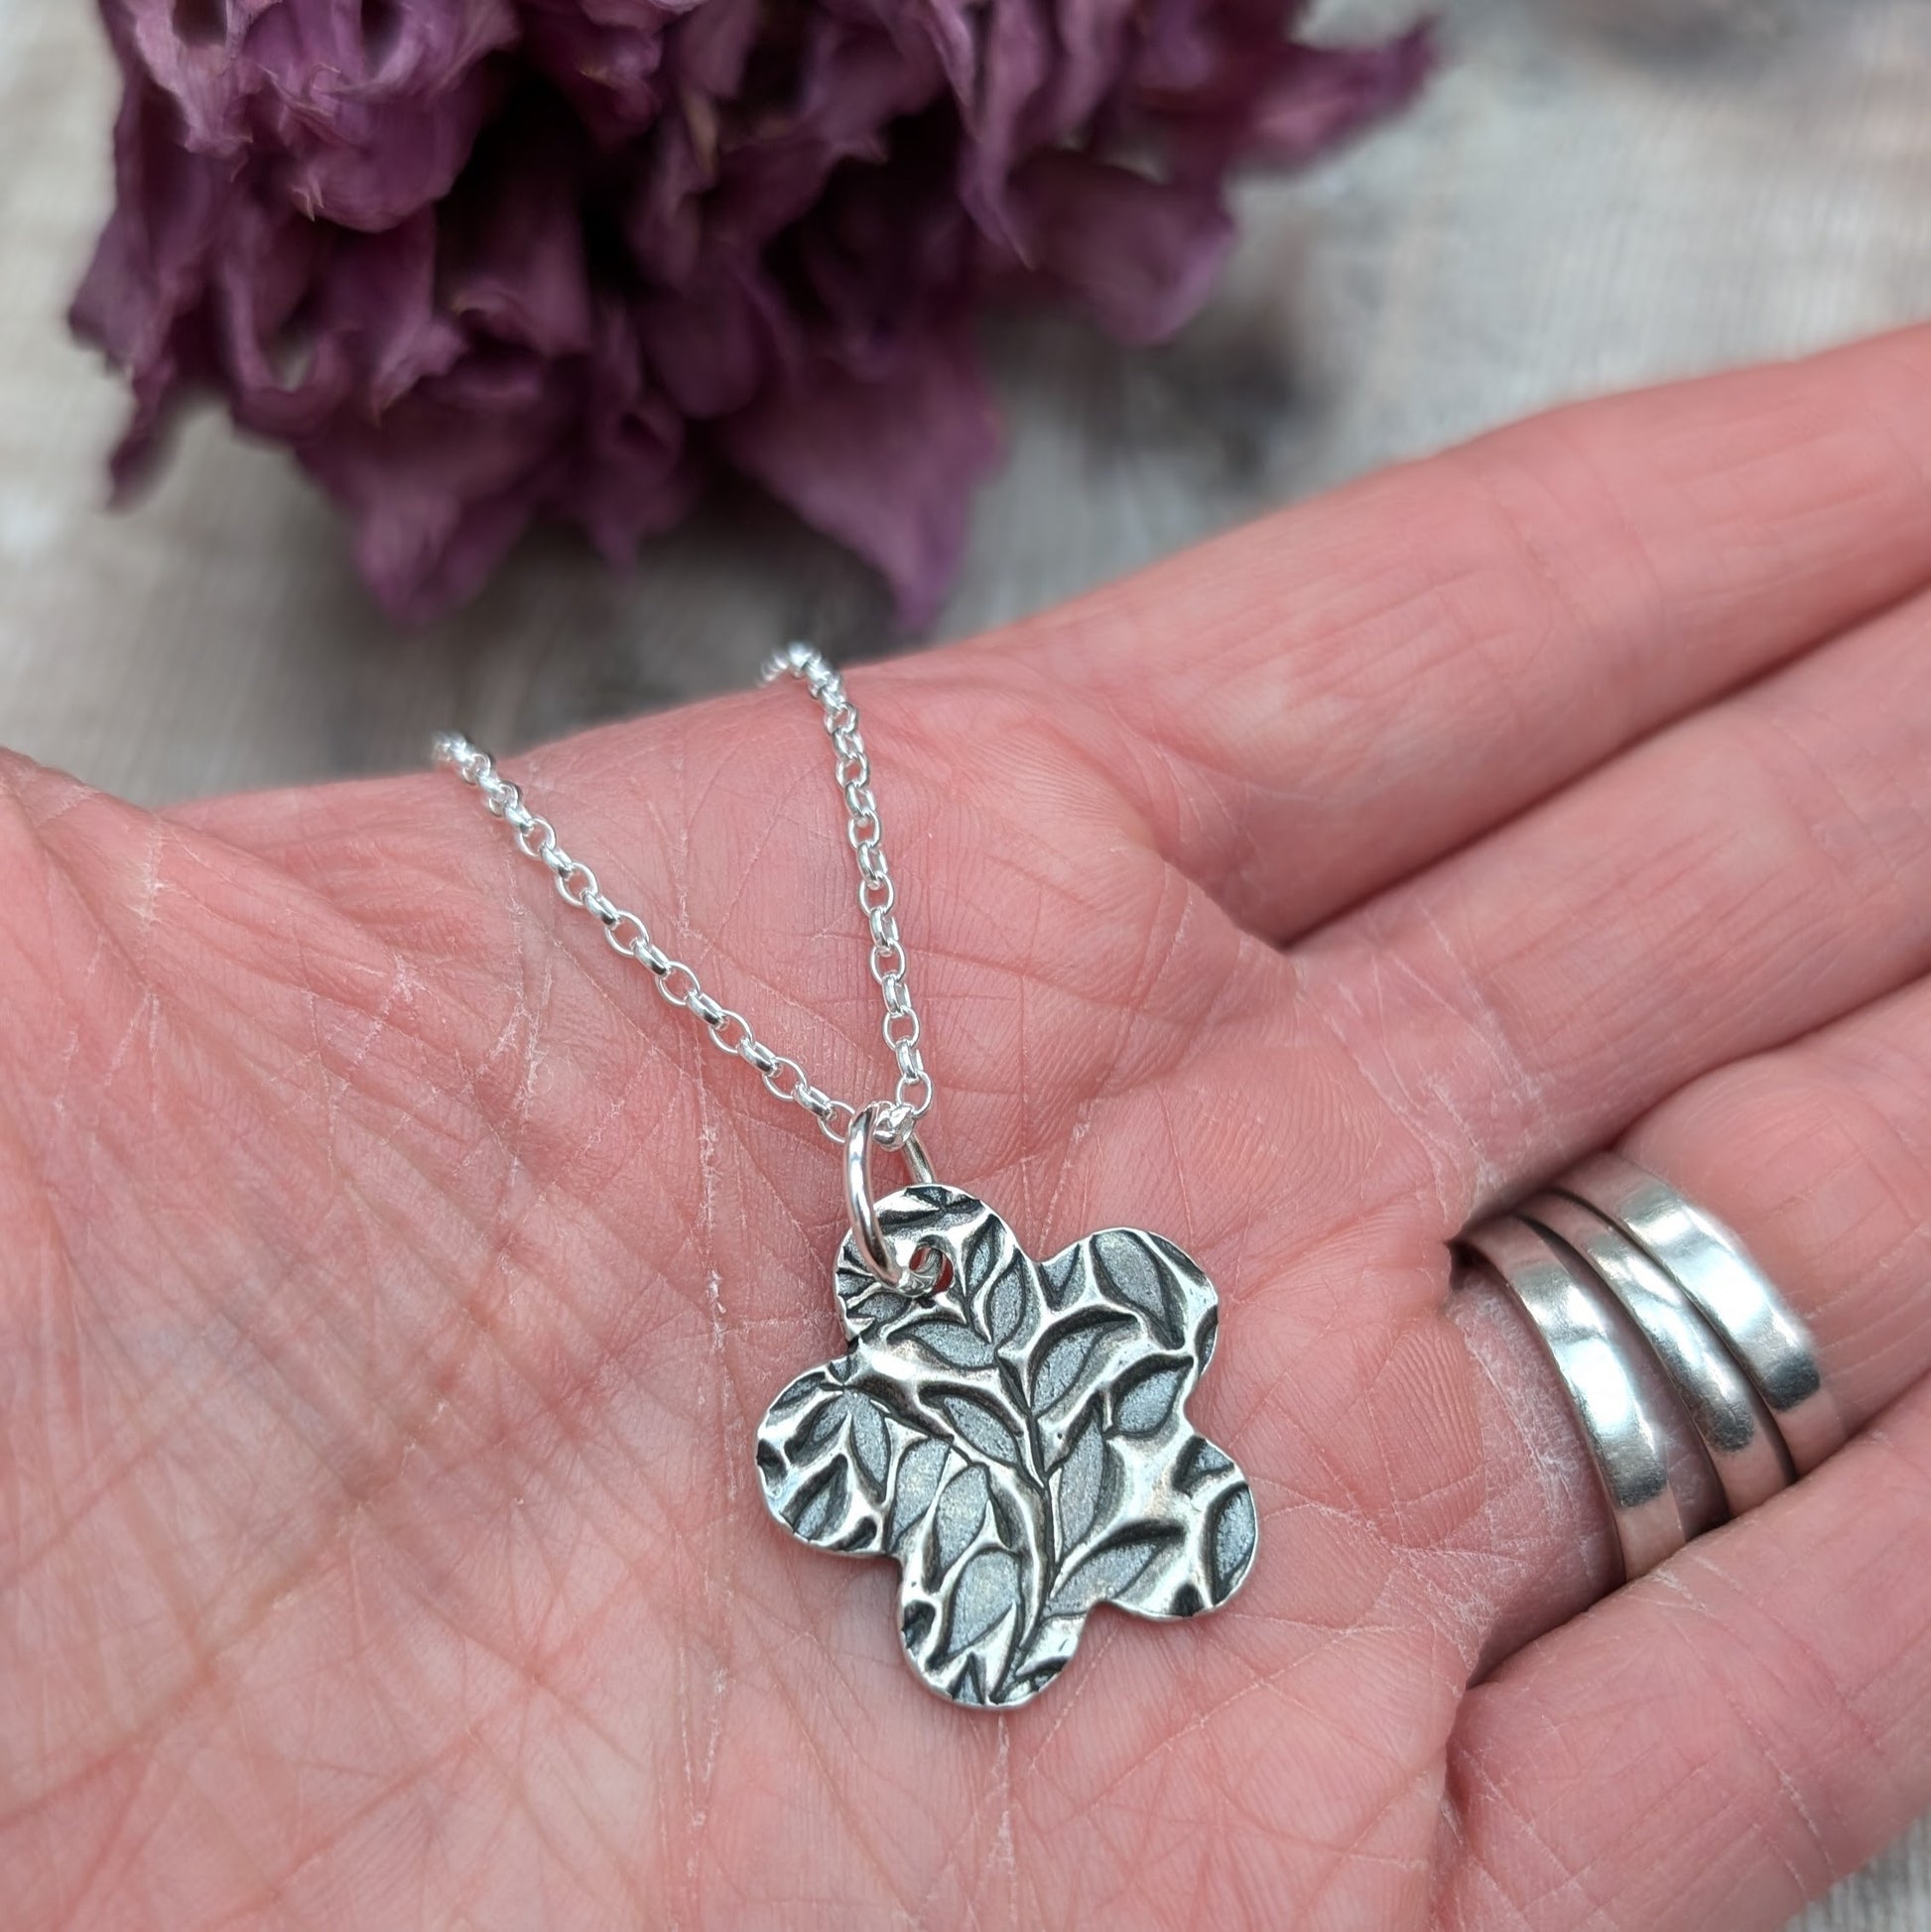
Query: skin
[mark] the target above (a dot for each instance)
(389, 1283)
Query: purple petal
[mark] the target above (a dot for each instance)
(283, 378)
(886, 468)
(886, 258)
(441, 484)
(717, 344)
(713, 43)
(378, 294)
(1093, 39)
(1327, 93)
(853, 84)
(141, 298)
(422, 557)
(948, 24)
(1140, 256)
(1222, 98)
(663, 216)
(376, 107)
(631, 475)
(370, 165)
(610, 70)
(1015, 65)
(512, 240)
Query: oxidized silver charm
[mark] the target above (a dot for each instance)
(1015, 1437)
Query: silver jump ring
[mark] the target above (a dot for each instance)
(867, 1235)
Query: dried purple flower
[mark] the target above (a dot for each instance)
(477, 261)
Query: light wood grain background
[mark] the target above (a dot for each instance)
(1596, 192)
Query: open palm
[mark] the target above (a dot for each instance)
(390, 1284)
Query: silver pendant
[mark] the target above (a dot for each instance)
(1016, 1438)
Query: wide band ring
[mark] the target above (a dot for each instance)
(1735, 1429)
(1580, 1338)
(1715, 1270)
(1640, 1297)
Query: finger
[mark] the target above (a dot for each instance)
(1029, 849)
(1315, 706)
(1724, 1739)
(1760, 868)
(1820, 1153)
(1823, 1152)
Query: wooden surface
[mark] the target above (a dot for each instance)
(1596, 192)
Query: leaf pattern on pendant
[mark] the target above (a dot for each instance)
(1018, 1442)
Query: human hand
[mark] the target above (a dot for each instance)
(392, 1283)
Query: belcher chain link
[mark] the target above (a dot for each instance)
(894, 1121)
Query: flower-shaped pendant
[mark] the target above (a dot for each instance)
(1017, 1440)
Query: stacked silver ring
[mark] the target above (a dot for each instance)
(1640, 1297)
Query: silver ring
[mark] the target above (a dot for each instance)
(1715, 1270)
(867, 1235)
(1742, 1441)
(1587, 1352)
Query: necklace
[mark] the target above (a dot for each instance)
(1014, 1433)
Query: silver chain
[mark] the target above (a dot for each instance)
(729, 1031)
